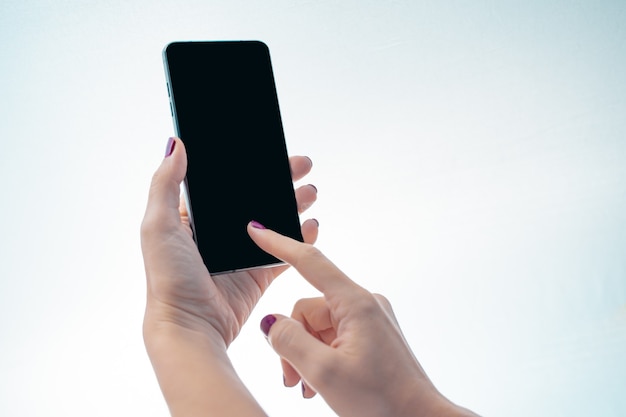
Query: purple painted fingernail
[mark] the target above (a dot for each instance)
(314, 187)
(267, 323)
(257, 225)
(303, 389)
(316, 221)
(169, 148)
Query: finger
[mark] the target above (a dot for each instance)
(310, 230)
(309, 261)
(305, 197)
(291, 377)
(315, 315)
(182, 206)
(307, 391)
(163, 199)
(290, 340)
(300, 166)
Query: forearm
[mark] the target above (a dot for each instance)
(430, 403)
(196, 375)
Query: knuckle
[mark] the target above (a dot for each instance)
(148, 226)
(367, 305)
(283, 336)
(385, 304)
(305, 304)
(383, 301)
(156, 178)
(300, 304)
(156, 224)
(299, 307)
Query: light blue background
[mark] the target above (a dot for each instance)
(470, 158)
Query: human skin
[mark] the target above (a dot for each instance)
(346, 345)
(191, 317)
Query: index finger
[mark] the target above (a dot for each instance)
(309, 261)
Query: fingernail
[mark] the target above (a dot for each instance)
(303, 389)
(314, 187)
(310, 160)
(267, 323)
(257, 225)
(169, 148)
(284, 381)
(316, 222)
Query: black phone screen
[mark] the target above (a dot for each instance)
(225, 110)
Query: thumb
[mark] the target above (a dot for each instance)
(290, 340)
(164, 196)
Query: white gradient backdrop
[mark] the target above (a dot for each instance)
(470, 158)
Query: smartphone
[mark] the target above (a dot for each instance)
(225, 109)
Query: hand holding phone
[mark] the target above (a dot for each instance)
(191, 317)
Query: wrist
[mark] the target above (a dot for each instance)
(195, 373)
(169, 340)
(162, 337)
(422, 399)
(166, 315)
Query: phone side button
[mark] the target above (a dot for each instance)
(171, 109)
